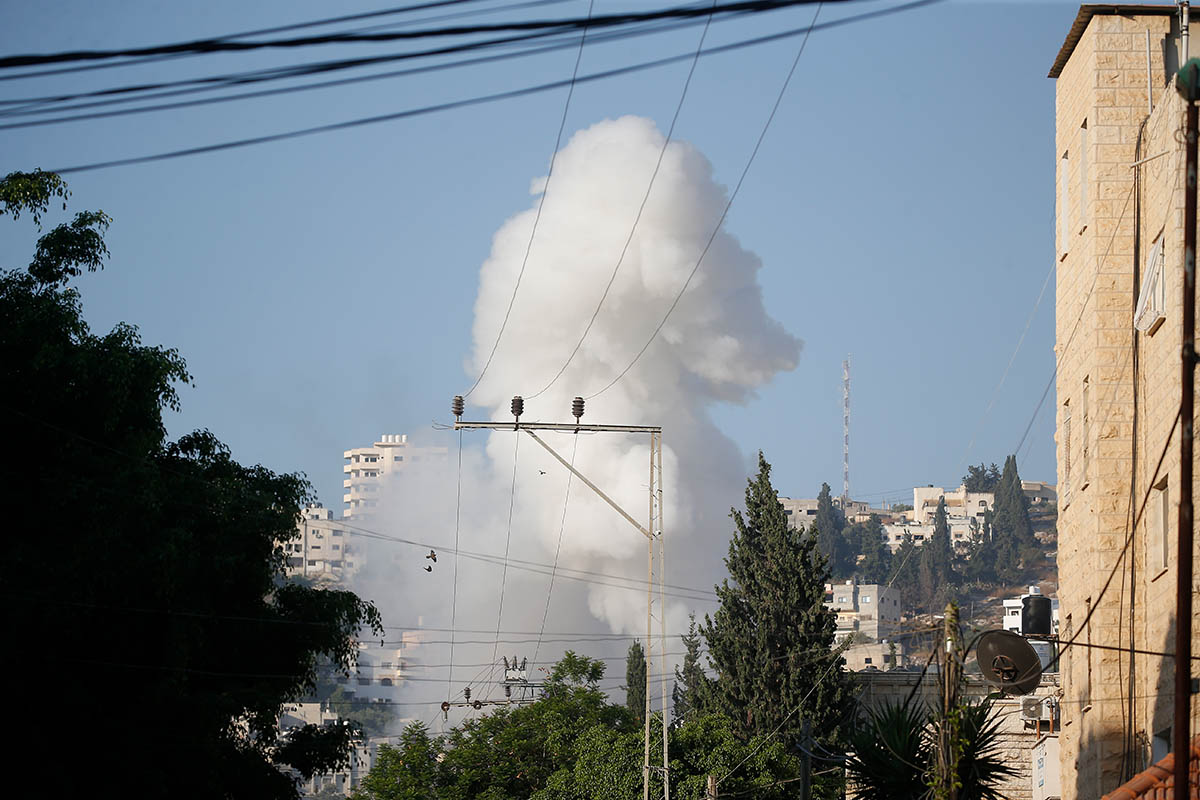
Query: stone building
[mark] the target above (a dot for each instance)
(1119, 188)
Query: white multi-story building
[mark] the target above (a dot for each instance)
(959, 503)
(871, 614)
(321, 550)
(961, 532)
(367, 468)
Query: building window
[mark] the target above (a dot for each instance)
(1152, 299)
(397, 458)
(867, 660)
(1160, 522)
(866, 598)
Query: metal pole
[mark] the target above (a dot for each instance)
(656, 454)
(1183, 586)
(649, 628)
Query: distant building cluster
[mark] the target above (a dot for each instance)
(965, 512)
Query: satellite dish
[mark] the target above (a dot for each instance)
(1008, 662)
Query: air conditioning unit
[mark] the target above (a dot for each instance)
(1035, 709)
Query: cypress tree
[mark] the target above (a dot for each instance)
(1011, 517)
(635, 681)
(876, 564)
(771, 640)
(937, 558)
(691, 684)
(830, 524)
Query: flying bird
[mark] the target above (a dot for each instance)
(432, 556)
(541, 472)
(428, 569)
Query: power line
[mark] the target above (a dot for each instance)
(641, 208)
(1021, 340)
(482, 99)
(541, 203)
(190, 86)
(208, 46)
(517, 563)
(136, 61)
(721, 220)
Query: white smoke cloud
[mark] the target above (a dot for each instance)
(718, 346)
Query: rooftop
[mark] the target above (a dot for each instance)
(1087, 11)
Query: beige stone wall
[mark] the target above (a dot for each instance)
(1113, 452)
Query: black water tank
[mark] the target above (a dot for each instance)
(1035, 615)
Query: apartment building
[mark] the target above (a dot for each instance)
(959, 503)
(366, 469)
(322, 549)
(1119, 195)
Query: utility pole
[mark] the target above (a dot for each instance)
(1188, 84)
(653, 531)
(711, 792)
(950, 727)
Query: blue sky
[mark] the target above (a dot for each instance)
(322, 288)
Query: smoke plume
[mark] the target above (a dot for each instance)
(718, 346)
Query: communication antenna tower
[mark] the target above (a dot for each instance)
(846, 431)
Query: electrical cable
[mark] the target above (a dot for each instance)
(1011, 359)
(638, 218)
(139, 61)
(1075, 328)
(481, 99)
(1063, 647)
(199, 85)
(721, 220)
(209, 46)
(541, 203)
(835, 657)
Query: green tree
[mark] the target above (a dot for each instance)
(981, 478)
(691, 684)
(407, 771)
(158, 564)
(905, 563)
(936, 570)
(830, 525)
(513, 753)
(871, 542)
(1018, 550)
(771, 640)
(635, 682)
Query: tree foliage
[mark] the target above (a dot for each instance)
(830, 526)
(155, 566)
(635, 682)
(870, 541)
(892, 753)
(981, 478)
(772, 612)
(936, 569)
(691, 689)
